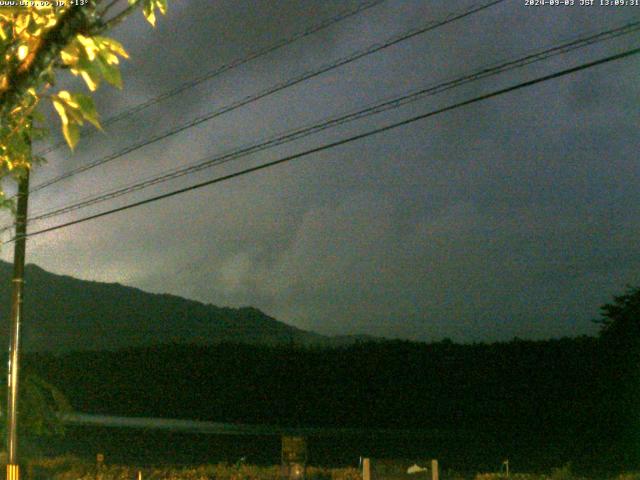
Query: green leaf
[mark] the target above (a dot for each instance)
(37, 116)
(8, 203)
(74, 109)
(88, 109)
(75, 115)
(111, 73)
(90, 72)
(111, 45)
(17, 146)
(148, 11)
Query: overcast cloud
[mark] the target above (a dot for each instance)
(517, 216)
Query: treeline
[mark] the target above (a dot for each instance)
(392, 383)
(571, 394)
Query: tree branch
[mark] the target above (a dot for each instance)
(73, 21)
(115, 20)
(108, 7)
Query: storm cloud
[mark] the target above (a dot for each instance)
(517, 216)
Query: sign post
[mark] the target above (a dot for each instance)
(294, 458)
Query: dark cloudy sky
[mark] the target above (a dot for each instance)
(517, 216)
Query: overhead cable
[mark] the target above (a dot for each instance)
(269, 91)
(380, 107)
(224, 68)
(344, 141)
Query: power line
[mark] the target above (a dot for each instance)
(344, 141)
(226, 67)
(271, 90)
(340, 120)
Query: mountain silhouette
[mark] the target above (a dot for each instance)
(63, 313)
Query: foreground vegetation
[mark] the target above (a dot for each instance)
(73, 468)
(556, 391)
(556, 474)
(538, 403)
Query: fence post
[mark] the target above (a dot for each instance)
(366, 469)
(99, 465)
(434, 469)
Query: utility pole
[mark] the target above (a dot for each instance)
(13, 471)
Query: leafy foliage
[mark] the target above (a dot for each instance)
(620, 337)
(149, 8)
(621, 319)
(41, 405)
(69, 468)
(37, 41)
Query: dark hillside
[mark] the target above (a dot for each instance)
(63, 314)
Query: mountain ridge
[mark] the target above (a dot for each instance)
(63, 313)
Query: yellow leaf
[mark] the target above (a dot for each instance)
(22, 22)
(70, 54)
(111, 45)
(89, 46)
(71, 134)
(162, 6)
(51, 21)
(110, 58)
(89, 81)
(148, 12)
(23, 51)
(68, 58)
(61, 111)
(68, 99)
(70, 128)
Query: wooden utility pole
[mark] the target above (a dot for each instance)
(13, 471)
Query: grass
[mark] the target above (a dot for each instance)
(73, 468)
(561, 473)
